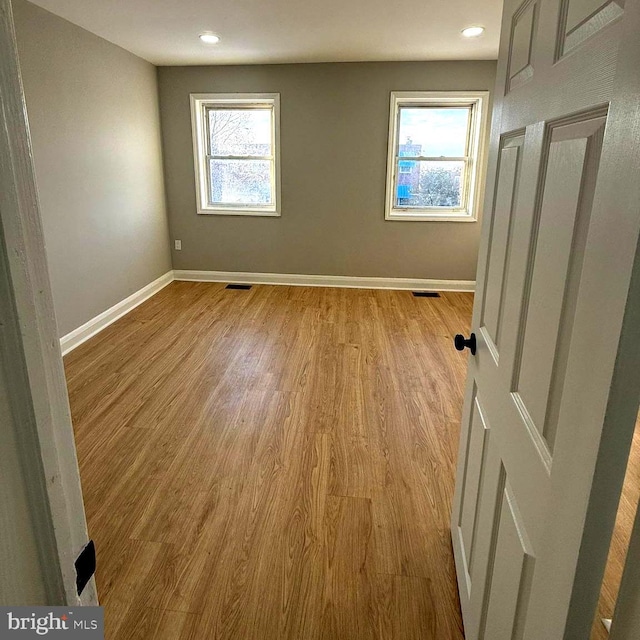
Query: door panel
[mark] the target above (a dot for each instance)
(522, 41)
(559, 238)
(535, 407)
(491, 484)
(511, 573)
(579, 10)
(478, 442)
(500, 239)
(583, 19)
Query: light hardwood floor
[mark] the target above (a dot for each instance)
(273, 464)
(620, 540)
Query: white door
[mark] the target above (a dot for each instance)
(553, 387)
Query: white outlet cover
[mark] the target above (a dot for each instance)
(178, 245)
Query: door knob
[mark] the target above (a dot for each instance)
(461, 342)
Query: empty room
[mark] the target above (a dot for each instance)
(320, 320)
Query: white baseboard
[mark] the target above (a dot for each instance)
(100, 322)
(354, 282)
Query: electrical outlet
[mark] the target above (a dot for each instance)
(178, 245)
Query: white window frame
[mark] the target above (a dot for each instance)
(200, 102)
(475, 158)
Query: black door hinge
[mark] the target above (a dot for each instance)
(85, 566)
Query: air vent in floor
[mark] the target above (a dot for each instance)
(244, 287)
(426, 294)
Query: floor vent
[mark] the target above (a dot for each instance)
(244, 287)
(426, 294)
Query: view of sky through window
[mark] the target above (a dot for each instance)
(438, 132)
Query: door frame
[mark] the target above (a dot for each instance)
(30, 348)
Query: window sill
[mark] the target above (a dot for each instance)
(253, 213)
(431, 217)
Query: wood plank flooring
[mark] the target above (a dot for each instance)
(620, 540)
(273, 464)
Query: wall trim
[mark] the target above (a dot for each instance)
(89, 329)
(353, 282)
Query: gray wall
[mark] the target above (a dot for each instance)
(93, 112)
(334, 126)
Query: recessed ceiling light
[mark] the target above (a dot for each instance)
(209, 38)
(472, 32)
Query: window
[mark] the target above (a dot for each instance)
(434, 163)
(236, 139)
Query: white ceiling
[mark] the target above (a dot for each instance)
(165, 32)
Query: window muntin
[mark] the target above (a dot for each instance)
(236, 153)
(434, 155)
